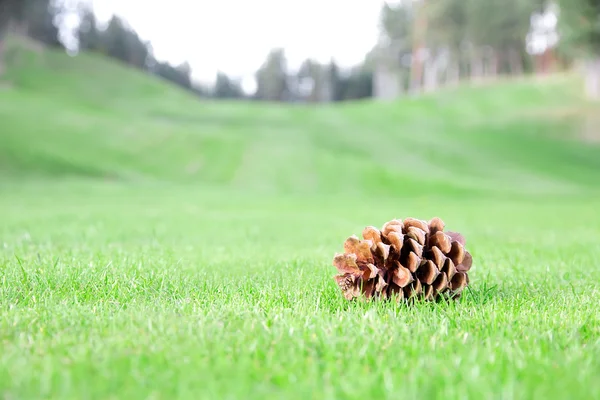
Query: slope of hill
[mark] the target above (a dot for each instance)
(91, 117)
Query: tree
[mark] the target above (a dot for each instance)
(580, 30)
(121, 42)
(272, 77)
(226, 88)
(393, 57)
(446, 40)
(314, 83)
(358, 84)
(88, 35)
(118, 41)
(39, 20)
(484, 36)
(34, 18)
(6, 7)
(138, 52)
(335, 81)
(114, 40)
(448, 30)
(180, 75)
(503, 32)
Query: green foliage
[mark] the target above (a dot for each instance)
(463, 35)
(334, 78)
(36, 17)
(396, 24)
(580, 27)
(272, 77)
(88, 35)
(226, 88)
(358, 84)
(449, 23)
(498, 23)
(180, 75)
(39, 17)
(121, 42)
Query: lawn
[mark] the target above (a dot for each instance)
(154, 246)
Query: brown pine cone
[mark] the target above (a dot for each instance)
(404, 259)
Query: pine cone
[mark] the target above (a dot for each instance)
(404, 259)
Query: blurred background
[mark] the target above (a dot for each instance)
(319, 51)
(101, 87)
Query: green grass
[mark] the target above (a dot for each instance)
(154, 246)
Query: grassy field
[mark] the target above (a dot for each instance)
(155, 246)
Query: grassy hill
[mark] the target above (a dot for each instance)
(156, 246)
(87, 116)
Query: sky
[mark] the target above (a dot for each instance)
(234, 36)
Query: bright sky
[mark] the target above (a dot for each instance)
(234, 36)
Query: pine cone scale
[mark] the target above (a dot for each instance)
(441, 282)
(346, 263)
(415, 246)
(449, 268)
(441, 241)
(371, 233)
(383, 250)
(417, 223)
(456, 237)
(466, 264)
(436, 225)
(412, 262)
(437, 256)
(459, 281)
(428, 292)
(456, 253)
(416, 234)
(427, 272)
(402, 276)
(396, 239)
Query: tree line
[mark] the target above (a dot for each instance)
(39, 19)
(442, 42)
(424, 44)
(274, 81)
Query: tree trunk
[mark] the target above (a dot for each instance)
(493, 64)
(453, 74)
(3, 34)
(385, 83)
(416, 77)
(592, 78)
(2, 51)
(476, 66)
(4, 26)
(430, 76)
(515, 62)
(419, 33)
